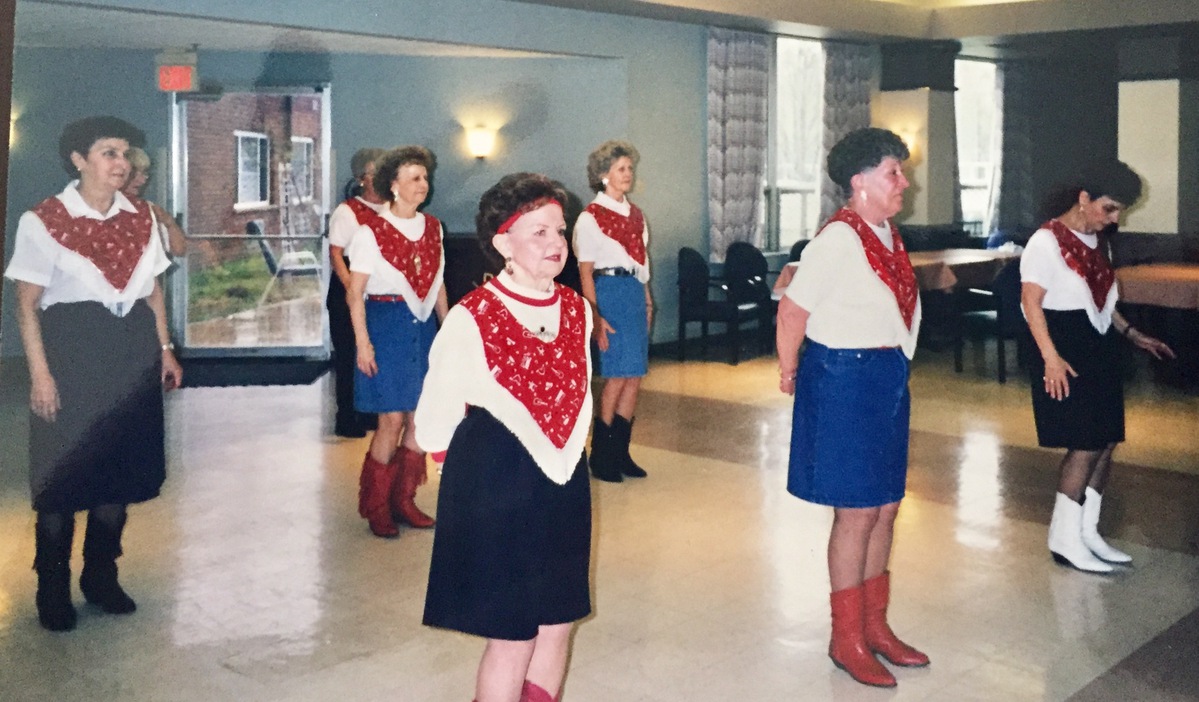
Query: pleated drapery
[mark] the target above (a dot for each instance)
(850, 76)
(738, 90)
(1016, 208)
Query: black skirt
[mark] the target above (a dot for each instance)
(1093, 415)
(106, 444)
(512, 549)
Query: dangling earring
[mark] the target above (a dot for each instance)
(865, 197)
(604, 181)
(395, 194)
(508, 265)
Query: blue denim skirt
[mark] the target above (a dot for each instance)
(849, 428)
(622, 302)
(402, 345)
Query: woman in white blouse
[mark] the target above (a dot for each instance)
(612, 245)
(397, 264)
(1069, 295)
(506, 406)
(854, 298)
(94, 328)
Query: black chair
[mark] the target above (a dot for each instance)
(993, 311)
(695, 282)
(797, 250)
(746, 271)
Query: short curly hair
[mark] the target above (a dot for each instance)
(362, 158)
(390, 163)
(600, 161)
(861, 150)
(138, 159)
(80, 135)
(514, 193)
(1112, 178)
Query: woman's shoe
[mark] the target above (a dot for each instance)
(622, 431)
(1065, 538)
(52, 537)
(374, 490)
(848, 647)
(605, 461)
(879, 637)
(411, 473)
(1090, 530)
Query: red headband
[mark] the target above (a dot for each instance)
(535, 205)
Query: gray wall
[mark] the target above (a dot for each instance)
(644, 80)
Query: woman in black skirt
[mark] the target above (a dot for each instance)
(513, 544)
(94, 329)
(1069, 297)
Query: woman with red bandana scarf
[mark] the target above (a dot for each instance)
(512, 551)
(611, 242)
(94, 328)
(1069, 298)
(397, 265)
(854, 298)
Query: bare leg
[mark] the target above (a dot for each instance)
(626, 403)
(610, 398)
(409, 428)
(503, 669)
(848, 544)
(547, 668)
(878, 550)
(387, 436)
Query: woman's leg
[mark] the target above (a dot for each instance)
(876, 591)
(411, 472)
(1092, 506)
(101, 548)
(848, 546)
(878, 549)
(1066, 526)
(387, 436)
(379, 475)
(626, 401)
(610, 397)
(606, 460)
(622, 426)
(53, 534)
(502, 670)
(547, 668)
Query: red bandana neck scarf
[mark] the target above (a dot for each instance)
(114, 245)
(418, 260)
(1088, 263)
(362, 211)
(548, 377)
(891, 266)
(626, 231)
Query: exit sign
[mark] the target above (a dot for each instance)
(177, 78)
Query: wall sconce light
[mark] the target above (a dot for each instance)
(480, 142)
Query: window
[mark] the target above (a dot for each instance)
(797, 131)
(302, 159)
(253, 169)
(979, 127)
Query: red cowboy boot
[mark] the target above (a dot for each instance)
(374, 485)
(879, 637)
(848, 645)
(411, 468)
(534, 693)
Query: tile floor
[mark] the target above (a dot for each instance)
(256, 580)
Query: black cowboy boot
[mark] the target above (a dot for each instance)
(605, 456)
(53, 535)
(101, 547)
(622, 429)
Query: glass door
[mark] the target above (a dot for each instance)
(251, 174)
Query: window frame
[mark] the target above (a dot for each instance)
(264, 170)
(308, 146)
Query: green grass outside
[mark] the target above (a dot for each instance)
(226, 289)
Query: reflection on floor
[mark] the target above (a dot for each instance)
(256, 580)
(293, 322)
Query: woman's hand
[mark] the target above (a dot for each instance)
(43, 397)
(787, 382)
(601, 331)
(1057, 374)
(172, 372)
(1154, 346)
(366, 360)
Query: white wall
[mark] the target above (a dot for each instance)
(1149, 144)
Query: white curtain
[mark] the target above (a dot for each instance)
(850, 76)
(738, 88)
(991, 219)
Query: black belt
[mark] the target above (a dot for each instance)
(618, 272)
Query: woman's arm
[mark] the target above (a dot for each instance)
(792, 327)
(1154, 346)
(178, 241)
(337, 259)
(43, 392)
(172, 372)
(649, 308)
(442, 307)
(354, 300)
(599, 326)
(1057, 371)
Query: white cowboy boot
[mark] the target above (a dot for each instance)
(1090, 530)
(1065, 538)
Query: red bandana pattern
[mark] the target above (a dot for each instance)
(1088, 263)
(418, 260)
(891, 266)
(114, 245)
(548, 377)
(626, 231)
(361, 210)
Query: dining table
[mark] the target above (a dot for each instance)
(1162, 300)
(943, 270)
